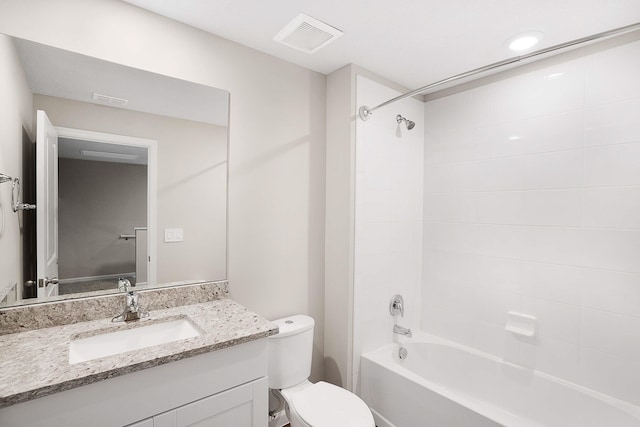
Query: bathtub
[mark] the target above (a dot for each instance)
(443, 384)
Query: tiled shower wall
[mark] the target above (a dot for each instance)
(388, 217)
(532, 204)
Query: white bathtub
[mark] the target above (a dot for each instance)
(442, 384)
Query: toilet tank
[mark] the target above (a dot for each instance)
(290, 351)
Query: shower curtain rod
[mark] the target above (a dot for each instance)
(365, 112)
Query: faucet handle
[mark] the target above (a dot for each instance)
(123, 284)
(396, 305)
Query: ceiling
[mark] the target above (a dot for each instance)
(411, 42)
(56, 72)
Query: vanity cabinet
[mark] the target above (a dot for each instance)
(226, 387)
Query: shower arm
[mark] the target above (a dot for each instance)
(366, 112)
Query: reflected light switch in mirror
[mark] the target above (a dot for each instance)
(172, 235)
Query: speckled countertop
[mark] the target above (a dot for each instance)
(36, 363)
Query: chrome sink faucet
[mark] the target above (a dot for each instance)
(132, 310)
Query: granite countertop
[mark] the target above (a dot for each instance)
(36, 363)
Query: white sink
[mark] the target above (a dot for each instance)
(108, 344)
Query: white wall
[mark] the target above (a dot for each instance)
(388, 217)
(532, 203)
(277, 139)
(339, 225)
(15, 115)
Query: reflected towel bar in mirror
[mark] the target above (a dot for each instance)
(15, 194)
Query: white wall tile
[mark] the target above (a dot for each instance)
(555, 245)
(492, 306)
(612, 75)
(373, 237)
(557, 283)
(616, 207)
(373, 270)
(456, 327)
(503, 241)
(504, 173)
(501, 207)
(499, 274)
(461, 176)
(612, 165)
(459, 145)
(612, 249)
(456, 237)
(447, 267)
(502, 140)
(555, 320)
(553, 207)
(612, 291)
(612, 123)
(563, 169)
(610, 333)
(553, 133)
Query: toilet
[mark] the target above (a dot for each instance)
(307, 404)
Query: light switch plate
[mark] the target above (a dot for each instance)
(172, 235)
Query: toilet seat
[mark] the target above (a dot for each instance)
(326, 405)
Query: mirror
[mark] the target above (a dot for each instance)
(141, 165)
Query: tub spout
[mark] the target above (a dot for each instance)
(397, 329)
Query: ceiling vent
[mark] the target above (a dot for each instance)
(109, 99)
(307, 34)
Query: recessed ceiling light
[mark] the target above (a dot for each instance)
(524, 41)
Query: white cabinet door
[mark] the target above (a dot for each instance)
(243, 406)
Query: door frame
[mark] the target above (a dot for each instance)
(152, 181)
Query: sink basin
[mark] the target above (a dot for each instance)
(108, 344)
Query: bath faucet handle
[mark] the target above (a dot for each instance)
(396, 306)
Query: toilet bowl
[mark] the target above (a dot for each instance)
(308, 404)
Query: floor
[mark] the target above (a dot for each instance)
(90, 285)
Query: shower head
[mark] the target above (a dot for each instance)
(410, 124)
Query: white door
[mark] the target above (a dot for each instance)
(46, 206)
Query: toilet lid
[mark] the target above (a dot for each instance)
(324, 404)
